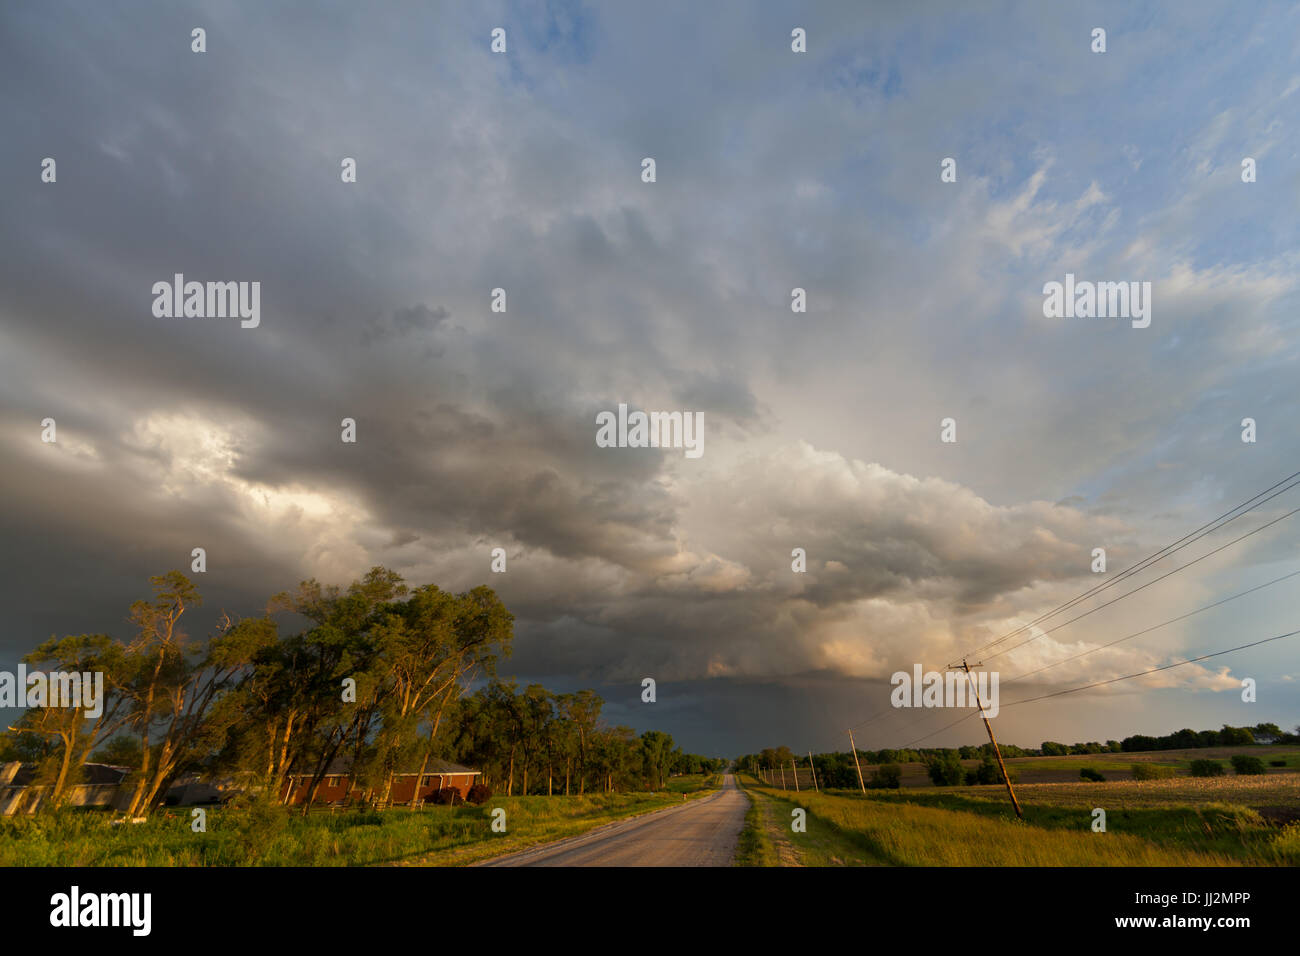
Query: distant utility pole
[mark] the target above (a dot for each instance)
(993, 740)
(816, 789)
(794, 769)
(856, 764)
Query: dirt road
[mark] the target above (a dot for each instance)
(702, 832)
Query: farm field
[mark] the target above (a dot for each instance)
(1114, 766)
(1182, 821)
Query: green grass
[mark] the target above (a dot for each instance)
(1114, 766)
(693, 783)
(1163, 823)
(276, 836)
(755, 847)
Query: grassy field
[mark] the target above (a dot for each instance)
(1113, 766)
(1177, 822)
(274, 836)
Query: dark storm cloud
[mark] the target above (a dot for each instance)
(476, 428)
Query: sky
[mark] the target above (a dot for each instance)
(774, 170)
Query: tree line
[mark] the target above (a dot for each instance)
(838, 770)
(377, 674)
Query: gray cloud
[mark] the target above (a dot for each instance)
(476, 429)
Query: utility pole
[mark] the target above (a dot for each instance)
(856, 764)
(816, 789)
(794, 769)
(993, 740)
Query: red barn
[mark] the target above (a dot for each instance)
(336, 786)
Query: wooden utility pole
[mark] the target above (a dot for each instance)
(856, 764)
(816, 789)
(794, 769)
(993, 740)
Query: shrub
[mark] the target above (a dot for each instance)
(1151, 771)
(1245, 764)
(947, 771)
(1277, 763)
(259, 821)
(479, 793)
(1207, 768)
(888, 776)
(1087, 773)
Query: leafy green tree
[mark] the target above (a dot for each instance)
(1248, 765)
(1235, 736)
(71, 733)
(887, 776)
(946, 770)
(656, 749)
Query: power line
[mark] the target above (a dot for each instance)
(1008, 650)
(1153, 627)
(1250, 504)
(1141, 587)
(1102, 683)
(1160, 555)
(911, 744)
(1153, 670)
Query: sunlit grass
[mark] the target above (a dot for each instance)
(976, 827)
(278, 836)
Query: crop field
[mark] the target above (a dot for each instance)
(1113, 766)
(1180, 821)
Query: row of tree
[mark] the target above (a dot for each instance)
(839, 769)
(1226, 736)
(517, 738)
(378, 676)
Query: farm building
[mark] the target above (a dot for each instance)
(101, 786)
(337, 784)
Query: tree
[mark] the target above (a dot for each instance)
(946, 770)
(888, 776)
(583, 711)
(1246, 764)
(1235, 736)
(157, 657)
(191, 711)
(70, 732)
(656, 749)
(427, 648)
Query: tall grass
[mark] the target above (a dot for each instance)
(871, 831)
(278, 836)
